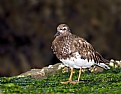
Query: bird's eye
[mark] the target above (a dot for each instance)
(64, 28)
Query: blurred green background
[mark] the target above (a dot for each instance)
(27, 28)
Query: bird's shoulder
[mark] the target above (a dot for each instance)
(84, 48)
(81, 43)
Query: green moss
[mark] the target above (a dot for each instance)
(108, 82)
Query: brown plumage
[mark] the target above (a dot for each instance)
(72, 50)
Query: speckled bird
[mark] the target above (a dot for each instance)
(75, 52)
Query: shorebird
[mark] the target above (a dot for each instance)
(75, 52)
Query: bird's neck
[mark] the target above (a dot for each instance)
(66, 34)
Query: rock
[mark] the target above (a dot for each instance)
(59, 67)
(44, 72)
(115, 63)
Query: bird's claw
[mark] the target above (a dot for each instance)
(71, 82)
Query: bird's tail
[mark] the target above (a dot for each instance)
(103, 62)
(103, 65)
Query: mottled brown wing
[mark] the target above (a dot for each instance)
(101, 59)
(85, 49)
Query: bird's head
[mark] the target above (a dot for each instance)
(62, 29)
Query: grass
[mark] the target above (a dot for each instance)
(107, 82)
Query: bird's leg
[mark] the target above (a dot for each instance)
(70, 78)
(75, 82)
(80, 71)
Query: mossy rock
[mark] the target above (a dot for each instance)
(106, 82)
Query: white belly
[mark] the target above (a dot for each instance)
(77, 62)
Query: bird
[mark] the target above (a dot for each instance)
(75, 52)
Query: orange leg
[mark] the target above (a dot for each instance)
(80, 71)
(70, 78)
(75, 82)
(72, 71)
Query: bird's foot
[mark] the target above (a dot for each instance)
(66, 82)
(71, 82)
(74, 82)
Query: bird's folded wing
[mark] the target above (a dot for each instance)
(86, 50)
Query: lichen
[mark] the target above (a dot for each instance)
(107, 82)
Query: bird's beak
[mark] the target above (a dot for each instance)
(57, 34)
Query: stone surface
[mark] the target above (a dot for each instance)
(44, 72)
(60, 68)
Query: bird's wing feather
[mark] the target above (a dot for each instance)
(85, 49)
